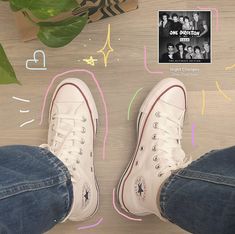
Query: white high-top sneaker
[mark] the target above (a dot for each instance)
(72, 127)
(158, 151)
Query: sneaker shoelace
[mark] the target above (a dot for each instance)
(167, 136)
(68, 142)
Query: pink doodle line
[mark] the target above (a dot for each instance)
(92, 225)
(119, 212)
(193, 135)
(216, 12)
(146, 65)
(101, 94)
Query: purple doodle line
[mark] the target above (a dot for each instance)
(92, 225)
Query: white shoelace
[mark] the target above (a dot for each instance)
(168, 137)
(68, 142)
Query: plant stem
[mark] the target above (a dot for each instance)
(29, 18)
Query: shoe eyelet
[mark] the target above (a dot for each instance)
(74, 168)
(82, 141)
(157, 114)
(83, 130)
(84, 119)
(155, 124)
(157, 166)
(141, 148)
(91, 155)
(154, 149)
(77, 161)
(160, 174)
(154, 137)
(155, 158)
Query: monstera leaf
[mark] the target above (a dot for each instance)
(58, 34)
(7, 74)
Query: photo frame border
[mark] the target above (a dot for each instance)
(211, 35)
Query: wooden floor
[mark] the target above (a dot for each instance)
(124, 75)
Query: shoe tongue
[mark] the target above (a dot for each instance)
(172, 110)
(175, 154)
(178, 154)
(68, 108)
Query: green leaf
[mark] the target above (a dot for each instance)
(13, 7)
(7, 74)
(44, 9)
(58, 34)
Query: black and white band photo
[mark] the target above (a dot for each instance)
(184, 37)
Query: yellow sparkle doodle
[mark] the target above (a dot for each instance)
(107, 47)
(221, 92)
(229, 68)
(203, 102)
(91, 61)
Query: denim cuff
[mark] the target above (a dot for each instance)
(163, 194)
(65, 178)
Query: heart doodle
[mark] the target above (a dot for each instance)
(37, 59)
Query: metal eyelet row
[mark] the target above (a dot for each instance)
(157, 166)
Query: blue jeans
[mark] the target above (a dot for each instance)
(35, 190)
(201, 197)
